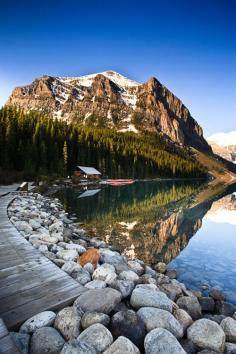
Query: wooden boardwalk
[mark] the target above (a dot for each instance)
(29, 282)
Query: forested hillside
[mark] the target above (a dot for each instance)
(38, 145)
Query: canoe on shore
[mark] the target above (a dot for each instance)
(119, 182)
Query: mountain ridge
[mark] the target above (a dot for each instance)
(108, 99)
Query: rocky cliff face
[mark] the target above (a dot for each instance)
(110, 100)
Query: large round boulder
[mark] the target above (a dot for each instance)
(157, 318)
(207, 334)
(144, 297)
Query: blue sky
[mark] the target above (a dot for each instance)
(190, 46)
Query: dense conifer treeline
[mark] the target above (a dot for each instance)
(38, 145)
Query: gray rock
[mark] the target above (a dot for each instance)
(68, 322)
(23, 226)
(156, 318)
(75, 347)
(171, 273)
(207, 304)
(142, 297)
(128, 324)
(89, 267)
(105, 272)
(21, 341)
(149, 271)
(216, 294)
(183, 317)
(83, 277)
(46, 340)
(207, 334)
(68, 255)
(160, 267)
(96, 284)
(71, 267)
(173, 291)
(147, 286)
(97, 336)
(42, 319)
(229, 327)
(161, 341)
(108, 256)
(136, 267)
(73, 246)
(230, 348)
(215, 318)
(207, 351)
(224, 308)
(191, 305)
(90, 318)
(125, 287)
(188, 346)
(129, 275)
(122, 346)
(98, 300)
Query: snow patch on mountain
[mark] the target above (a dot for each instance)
(87, 80)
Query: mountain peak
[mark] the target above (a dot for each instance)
(109, 99)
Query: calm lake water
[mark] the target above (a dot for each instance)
(159, 221)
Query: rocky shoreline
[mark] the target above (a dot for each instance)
(125, 307)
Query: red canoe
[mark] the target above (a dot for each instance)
(119, 182)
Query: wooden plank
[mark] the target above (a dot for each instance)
(29, 282)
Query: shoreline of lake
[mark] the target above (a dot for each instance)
(128, 293)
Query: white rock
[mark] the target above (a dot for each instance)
(129, 275)
(67, 255)
(49, 239)
(42, 319)
(23, 226)
(69, 267)
(96, 284)
(105, 272)
(73, 246)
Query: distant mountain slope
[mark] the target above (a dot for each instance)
(111, 100)
(224, 144)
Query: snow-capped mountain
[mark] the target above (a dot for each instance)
(224, 144)
(108, 99)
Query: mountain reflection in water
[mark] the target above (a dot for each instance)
(156, 221)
